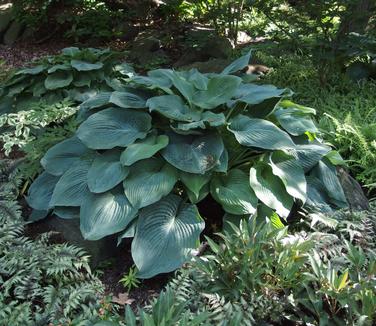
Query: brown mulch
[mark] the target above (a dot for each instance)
(20, 54)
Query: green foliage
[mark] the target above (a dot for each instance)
(22, 127)
(347, 110)
(190, 134)
(41, 282)
(74, 74)
(130, 280)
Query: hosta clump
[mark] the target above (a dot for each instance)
(144, 156)
(74, 73)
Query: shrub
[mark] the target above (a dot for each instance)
(74, 74)
(143, 157)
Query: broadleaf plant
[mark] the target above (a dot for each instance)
(144, 156)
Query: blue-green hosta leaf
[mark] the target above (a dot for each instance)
(309, 155)
(58, 79)
(295, 122)
(67, 212)
(155, 79)
(114, 127)
(222, 165)
(148, 182)
(194, 154)
(72, 188)
(185, 87)
(62, 156)
(335, 158)
(31, 71)
(85, 66)
(208, 119)
(259, 133)
(303, 109)
(41, 190)
(127, 99)
(288, 169)
(129, 232)
(96, 101)
(317, 197)
(270, 189)
(194, 182)
(105, 214)
(82, 80)
(59, 67)
(166, 233)
(255, 94)
(143, 149)
(71, 51)
(195, 198)
(238, 64)
(172, 107)
(220, 89)
(106, 172)
(327, 174)
(199, 80)
(234, 193)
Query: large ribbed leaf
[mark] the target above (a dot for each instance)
(143, 149)
(219, 90)
(72, 188)
(317, 197)
(67, 213)
(194, 182)
(309, 155)
(62, 156)
(166, 232)
(105, 214)
(40, 192)
(173, 107)
(259, 133)
(114, 127)
(178, 79)
(255, 94)
(85, 66)
(194, 154)
(288, 169)
(294, 121)
(237, 65)
(208, 119)
(134, 99)
(58, 79)
(149, 181)
(96, 101)
(106, 172)
(270, 189)
(327, 174)
(155, 79)
(234, 193)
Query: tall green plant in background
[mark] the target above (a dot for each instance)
(145, 155)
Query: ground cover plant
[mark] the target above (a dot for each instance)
(73, 74)
(346, 109)
(144, 156)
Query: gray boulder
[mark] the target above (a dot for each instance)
(353, 191)
(13, 33)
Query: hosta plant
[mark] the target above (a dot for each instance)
(75, 73)
(145, 156)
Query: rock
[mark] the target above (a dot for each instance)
(13, 33)
(5, 17)
(210, 66)
(353, 191)
(128, 32)
(243, 38)
(144, 48)
(99, 250)
(203, 44)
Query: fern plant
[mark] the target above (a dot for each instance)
(41, 283)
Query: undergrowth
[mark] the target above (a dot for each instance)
(346, 109)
